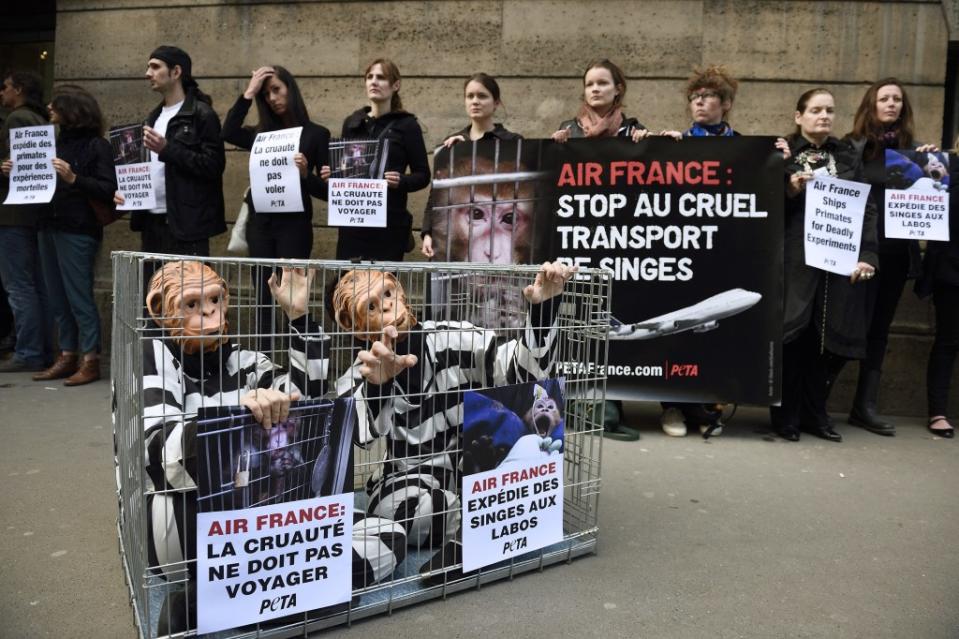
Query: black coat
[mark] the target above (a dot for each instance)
(91, 160)
(195, 162)
(406, 151)
(314, 144)
(942, 258)
(830, 302)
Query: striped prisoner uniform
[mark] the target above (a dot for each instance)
(420, 412)
(175, 385)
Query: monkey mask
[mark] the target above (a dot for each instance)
(189, 301)
(366, 302)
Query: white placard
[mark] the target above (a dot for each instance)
(274, 178)
(357, 202)
(135, 182)
(921, 210)
(511, 510)
(33, 179)
(271, 561)
(835, 210)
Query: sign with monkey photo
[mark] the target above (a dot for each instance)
(274, 522)
(512, 471)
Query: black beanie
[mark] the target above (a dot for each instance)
(175, 56)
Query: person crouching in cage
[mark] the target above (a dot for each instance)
(190, 363)
(409, 385)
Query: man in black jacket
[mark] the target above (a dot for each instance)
(183, 135)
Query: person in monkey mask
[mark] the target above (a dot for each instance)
(409, 378)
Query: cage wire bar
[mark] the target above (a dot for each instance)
(156, 513)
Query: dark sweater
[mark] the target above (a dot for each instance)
(91, 159)
(314, 144)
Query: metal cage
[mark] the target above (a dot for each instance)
(160, 586)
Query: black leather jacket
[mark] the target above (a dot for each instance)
(195, 162)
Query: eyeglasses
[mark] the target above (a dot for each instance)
(703, 95)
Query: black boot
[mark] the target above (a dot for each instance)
(863, 411)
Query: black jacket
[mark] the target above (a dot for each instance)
(314, 144)
(406, 151)
(626, 127)
(91, 159)
(195, 162)
(942, 258)
(812, 296)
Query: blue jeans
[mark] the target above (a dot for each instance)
(20, 272)
(67, 261)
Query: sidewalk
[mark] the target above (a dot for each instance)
(744, 535)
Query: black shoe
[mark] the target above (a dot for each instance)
(824, 432)
(945, 433)
(863, 413)
(789, 433)
(16, 365)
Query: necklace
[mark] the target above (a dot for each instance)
(811, 158)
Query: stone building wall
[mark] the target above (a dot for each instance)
(536, 48)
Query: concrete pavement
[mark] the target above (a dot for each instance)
(745, 535)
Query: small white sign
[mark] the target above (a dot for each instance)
(835, 210)
(135, 184)
(274, 178)
(271, 561)
(33, 179)
(357, 202)
(919, 208)
(511, 510)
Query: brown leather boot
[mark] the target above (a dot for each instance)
(89, 371)
(64, 366)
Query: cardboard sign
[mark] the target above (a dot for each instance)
(355, 202)
(274, 178)
(33, 179)
(833, 231)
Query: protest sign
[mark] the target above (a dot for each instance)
(356, 202)
(135, 172)
(692, 234)
(833, 223)
(33, 179)
(512, 471)
(275, 513)
(274, 178)
(917, 195)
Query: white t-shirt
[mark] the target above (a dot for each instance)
(159, 168)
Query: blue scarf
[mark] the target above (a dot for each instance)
(698, 130)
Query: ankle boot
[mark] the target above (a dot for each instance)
(863, 413)
(89, 371)
(65, 366)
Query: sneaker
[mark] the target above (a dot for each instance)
(716, 431)
(673, 422)
(17, 365)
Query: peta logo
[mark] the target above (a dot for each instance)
(684, 370)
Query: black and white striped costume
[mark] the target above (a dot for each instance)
(421, 414)
(175, 385)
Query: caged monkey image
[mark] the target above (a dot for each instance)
(190, 363)
(409, 381)
(268, 464)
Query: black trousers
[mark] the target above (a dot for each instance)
(274, 236)
(808, 377)
(883, 294)
(942, 357)
(156, 238)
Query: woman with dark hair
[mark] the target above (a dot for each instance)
(482, 97)
(70, 235)
(940, 278)
(824, 313)
(883, 121)
(279, 105)
(601, 113)
(385, 119)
